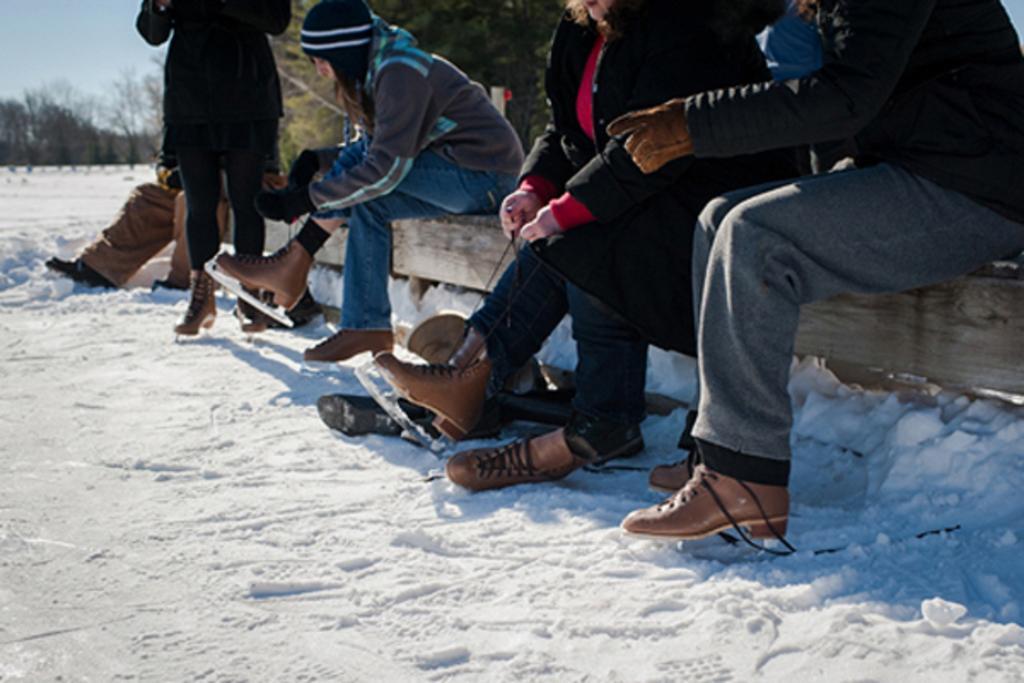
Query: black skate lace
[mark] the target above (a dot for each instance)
(512, 459)
(443, 370)
(259, 259)
(440, 369)
(200, 291)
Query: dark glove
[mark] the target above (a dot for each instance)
(285, 205)
(305, 166)
(656, 136)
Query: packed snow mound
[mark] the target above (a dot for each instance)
(179, 507)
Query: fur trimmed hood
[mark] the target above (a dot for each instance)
(739, 19)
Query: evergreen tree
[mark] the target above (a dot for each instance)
(497, 43)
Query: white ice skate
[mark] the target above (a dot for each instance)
(384, 394)
(235, 287)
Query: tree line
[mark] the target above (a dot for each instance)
(56, 124)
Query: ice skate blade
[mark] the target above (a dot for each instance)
(714, 546)
(442, 423)
(753, 529)
(383, 393)
(235, 287)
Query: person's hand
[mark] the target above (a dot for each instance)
(518, 209)
(305, 166)
(656, 136)
(544, 225)
(285, 205)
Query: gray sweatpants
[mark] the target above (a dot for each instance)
(760, 253)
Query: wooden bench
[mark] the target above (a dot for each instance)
(967, 333)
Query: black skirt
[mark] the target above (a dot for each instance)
(221, 136)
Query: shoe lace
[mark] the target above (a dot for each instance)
(701, 480)
(510, 460)
(259, 259)
(442, 370)
(201, 290)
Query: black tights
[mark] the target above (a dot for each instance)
(200, 175)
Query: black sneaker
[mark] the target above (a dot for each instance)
(303, 313)
(598, 441)
(78, 271)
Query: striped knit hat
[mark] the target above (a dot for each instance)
(340, 32)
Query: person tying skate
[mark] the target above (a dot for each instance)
(933, 93)
(432, 143)
(620, 239)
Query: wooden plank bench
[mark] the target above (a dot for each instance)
(966, 333)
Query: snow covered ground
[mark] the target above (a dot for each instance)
(176, 511)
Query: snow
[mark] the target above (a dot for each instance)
(176, 511)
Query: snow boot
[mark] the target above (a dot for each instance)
(284, 272)
(455, 391)
(583, 441)
(202, 307)
(525, 461)
(711, 503)
(344, 344)
(598, 441)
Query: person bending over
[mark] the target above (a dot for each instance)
(933, 94)
(432, 144)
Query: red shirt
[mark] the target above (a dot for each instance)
(568, 211)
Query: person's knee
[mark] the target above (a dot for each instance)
(715, 213)
(747, 247)
(371, 214)
(593, 319)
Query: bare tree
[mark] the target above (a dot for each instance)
(129, 113)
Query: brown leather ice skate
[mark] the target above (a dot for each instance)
(284, 272)
(345, 344)
(436, 338)
(710, 503)
(202, 307)
(526, 461)
(455, 391)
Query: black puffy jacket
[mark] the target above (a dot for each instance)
(935, 86)
(636, 257)
(219, 66)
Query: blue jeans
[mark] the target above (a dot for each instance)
(434, 187)
(525, 307)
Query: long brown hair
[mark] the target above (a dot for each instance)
(614, 24)
(354, 99)
(807, 8)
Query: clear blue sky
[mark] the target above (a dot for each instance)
(90, 42)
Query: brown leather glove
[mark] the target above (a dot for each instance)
(656, 135)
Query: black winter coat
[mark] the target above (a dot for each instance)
(219, 67)
(636, 257)
(935, 86)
